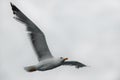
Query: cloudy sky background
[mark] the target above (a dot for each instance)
(84, 30)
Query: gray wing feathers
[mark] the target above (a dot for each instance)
(74, 63)
(36, 35)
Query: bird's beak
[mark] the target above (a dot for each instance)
(65, 58)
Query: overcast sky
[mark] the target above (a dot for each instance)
(84, 30)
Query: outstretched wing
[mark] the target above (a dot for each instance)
(74, 63)
(37, 37)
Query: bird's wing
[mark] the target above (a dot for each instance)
(74, 63)
(37, 37)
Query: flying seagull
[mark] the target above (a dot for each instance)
(46, 59)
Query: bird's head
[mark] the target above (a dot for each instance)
(63, 59)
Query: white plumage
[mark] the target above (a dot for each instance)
(46, 60)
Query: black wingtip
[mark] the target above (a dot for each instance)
(84, 66)
(80, 66)
(14, 8)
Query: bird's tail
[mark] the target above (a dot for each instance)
(30, 68)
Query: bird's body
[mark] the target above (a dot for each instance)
(46, 60)
(44, 65)
(49, 64)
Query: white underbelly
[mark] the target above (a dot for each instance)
(47, 65)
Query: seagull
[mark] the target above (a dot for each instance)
(46, 60)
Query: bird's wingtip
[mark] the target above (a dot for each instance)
(14, 8)
(11, 4)
(86, 66)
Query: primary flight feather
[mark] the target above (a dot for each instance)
(46, 60)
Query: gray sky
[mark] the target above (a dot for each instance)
(83, 30)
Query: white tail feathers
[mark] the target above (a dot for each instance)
(30, 68)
